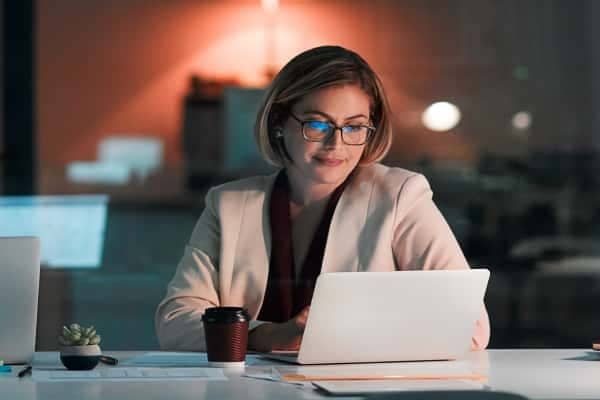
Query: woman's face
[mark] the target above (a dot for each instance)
(329, 161)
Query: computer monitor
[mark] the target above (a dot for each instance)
(71, 228)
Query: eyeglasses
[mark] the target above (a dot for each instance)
(319, 131)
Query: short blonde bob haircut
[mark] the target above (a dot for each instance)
(308, 72)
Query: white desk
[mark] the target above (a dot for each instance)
(538, 374)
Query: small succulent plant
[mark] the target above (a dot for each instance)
(76, 335)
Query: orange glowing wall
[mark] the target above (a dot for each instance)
(112, 66)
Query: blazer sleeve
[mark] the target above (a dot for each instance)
(178, 319)
(423, 240)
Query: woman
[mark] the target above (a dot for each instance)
(261, 242)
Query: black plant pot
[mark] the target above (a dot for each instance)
(80, 358)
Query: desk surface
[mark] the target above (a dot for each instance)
(538, 374)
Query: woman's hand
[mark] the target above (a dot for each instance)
(279, 336)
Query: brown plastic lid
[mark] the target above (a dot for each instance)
(225, 315)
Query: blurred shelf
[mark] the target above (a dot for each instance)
(166, 187)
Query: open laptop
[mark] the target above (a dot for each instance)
(391, 316)
(19, 283)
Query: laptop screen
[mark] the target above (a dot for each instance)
(71, 228)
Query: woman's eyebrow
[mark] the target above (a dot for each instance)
(356, 116)
(317, 112)
(329, 117)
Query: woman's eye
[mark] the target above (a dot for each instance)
(352, 128)
(318, 125)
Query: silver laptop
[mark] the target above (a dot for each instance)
(19, 283)
(391, 316)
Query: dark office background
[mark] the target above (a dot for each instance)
(168, 89)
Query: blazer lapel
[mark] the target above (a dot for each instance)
(344, 239)
(254, 248)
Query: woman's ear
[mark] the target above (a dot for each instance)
(276, 119)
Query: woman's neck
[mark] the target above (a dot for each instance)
(304, 193)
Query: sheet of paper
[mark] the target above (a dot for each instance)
(364, 387)
(174, 359)
(267, 374)
(129, 374)
(426, 368)
(168, 359)
(271, 374)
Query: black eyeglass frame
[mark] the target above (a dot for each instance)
(370, 130)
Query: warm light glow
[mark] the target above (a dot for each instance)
(441, 116)
(522, 120)
(270, 5)
(222, 58)
(218, 40)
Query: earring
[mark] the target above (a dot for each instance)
(278, 133)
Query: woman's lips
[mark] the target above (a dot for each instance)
(330, 162)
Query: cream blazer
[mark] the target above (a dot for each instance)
(385, 220)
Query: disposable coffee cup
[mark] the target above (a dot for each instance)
(226, 334)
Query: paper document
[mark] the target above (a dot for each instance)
(266, 375)
(175, 359)
(129, 374)
(364, 387)
(271, 374)
(168, 359)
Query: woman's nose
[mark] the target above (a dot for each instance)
(333, 139)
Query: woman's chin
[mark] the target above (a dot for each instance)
(330, 176)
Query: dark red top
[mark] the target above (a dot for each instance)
(287, 295)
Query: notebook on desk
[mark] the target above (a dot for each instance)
(19, 282)
(360, 317)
